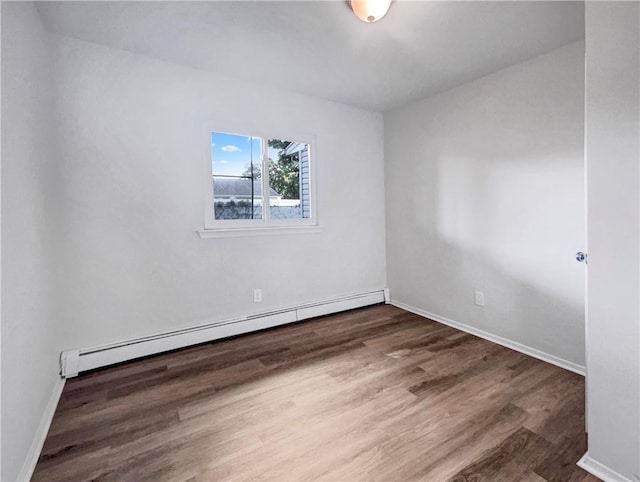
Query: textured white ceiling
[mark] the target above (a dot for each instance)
(321, 49)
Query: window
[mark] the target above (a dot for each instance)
(258, 182)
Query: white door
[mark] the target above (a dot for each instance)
(613, 220)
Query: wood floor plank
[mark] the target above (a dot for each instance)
(374, 394)
(521, 447)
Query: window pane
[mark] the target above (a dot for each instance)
(237, 176)
(289, 179)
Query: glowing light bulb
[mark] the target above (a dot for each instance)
(370, 10)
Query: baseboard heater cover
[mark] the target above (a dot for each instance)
(73, 362)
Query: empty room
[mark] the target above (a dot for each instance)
(367, 240)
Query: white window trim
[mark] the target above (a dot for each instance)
(260, 231)
(214, 228)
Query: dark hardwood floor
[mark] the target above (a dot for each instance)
(375, 394)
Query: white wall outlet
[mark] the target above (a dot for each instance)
(479, 298)
(257, 295)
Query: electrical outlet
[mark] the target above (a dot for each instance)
(257, 295)
(479, 298)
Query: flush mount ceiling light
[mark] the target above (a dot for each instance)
(370, 10)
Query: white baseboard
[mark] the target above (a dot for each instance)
(75, 361)
(514, 345)
(601, 471)
(41, 434)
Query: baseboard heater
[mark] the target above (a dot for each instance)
(73, 362)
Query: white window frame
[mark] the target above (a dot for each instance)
(255, 226)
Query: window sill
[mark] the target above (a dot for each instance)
(265, 231)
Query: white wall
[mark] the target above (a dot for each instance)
(485, 192)
(134, 142)
(30, 344)
(613, 172)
